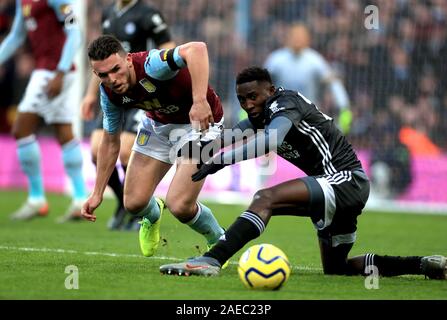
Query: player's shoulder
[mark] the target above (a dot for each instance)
(279, 54)
(313, 55)
(282, 99)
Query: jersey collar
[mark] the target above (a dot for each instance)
(123, 10)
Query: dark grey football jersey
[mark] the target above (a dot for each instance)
(314, 143)
(135, 26)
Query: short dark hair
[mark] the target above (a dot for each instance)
(103, 47)
(253, 74)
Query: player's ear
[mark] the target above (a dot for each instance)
(129, 60)
(272, 89)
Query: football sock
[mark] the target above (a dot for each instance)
(206, 224)
(151, 211)
(246, 228)
(116, 186)
(72, 158)
(28, 152)
(389, 266)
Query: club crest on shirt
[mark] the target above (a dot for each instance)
(26, 10)
(143, 137)
(147, 85)
(66, 9)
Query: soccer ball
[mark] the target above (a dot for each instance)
(263, 267)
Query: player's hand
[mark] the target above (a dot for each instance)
(89, 207)
(201, 116)
(88, 107)
(199, 151)
(206, 169)
(54, 86)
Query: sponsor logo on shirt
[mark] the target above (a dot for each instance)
(147, 85)
(126, 99)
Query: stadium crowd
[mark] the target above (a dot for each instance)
(395, 75)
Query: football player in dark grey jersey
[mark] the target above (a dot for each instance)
(137, 25)
(333, 194)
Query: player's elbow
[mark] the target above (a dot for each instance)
(196, 48)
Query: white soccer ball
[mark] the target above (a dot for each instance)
(264, 267)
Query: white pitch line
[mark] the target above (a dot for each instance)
(118, 255)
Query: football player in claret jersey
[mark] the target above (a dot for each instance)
(54, 36)
(171, 86)
(137, 25)
(332, 195)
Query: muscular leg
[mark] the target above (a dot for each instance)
(281, 198)
(127, 140)
(182, 202)
(143, 175)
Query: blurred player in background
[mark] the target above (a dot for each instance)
(172, 87)
(135, 24)
(298, 67)
(333, 194)
(54, 36)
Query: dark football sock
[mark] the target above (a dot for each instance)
(117, 187)
(246, 227)
(389, 266)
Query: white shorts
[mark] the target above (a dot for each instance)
(60, 109)
(163, 141)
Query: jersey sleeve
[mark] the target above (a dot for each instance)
(16, 36)
(65, 14)
(163, 64)
(155, 27)
(112, 115)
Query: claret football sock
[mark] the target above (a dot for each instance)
(246, 228)
(206, 224)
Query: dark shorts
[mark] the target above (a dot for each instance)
(130, 123)
(336, 201)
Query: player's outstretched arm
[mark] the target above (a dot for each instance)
(196, 56)
(263, 143)
(107, 156)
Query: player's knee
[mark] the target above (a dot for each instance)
(134, 205)
(182, 210)
(263, 199)
(17, 133)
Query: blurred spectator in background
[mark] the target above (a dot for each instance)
(298, 67)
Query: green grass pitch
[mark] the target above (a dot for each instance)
(35, 254)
